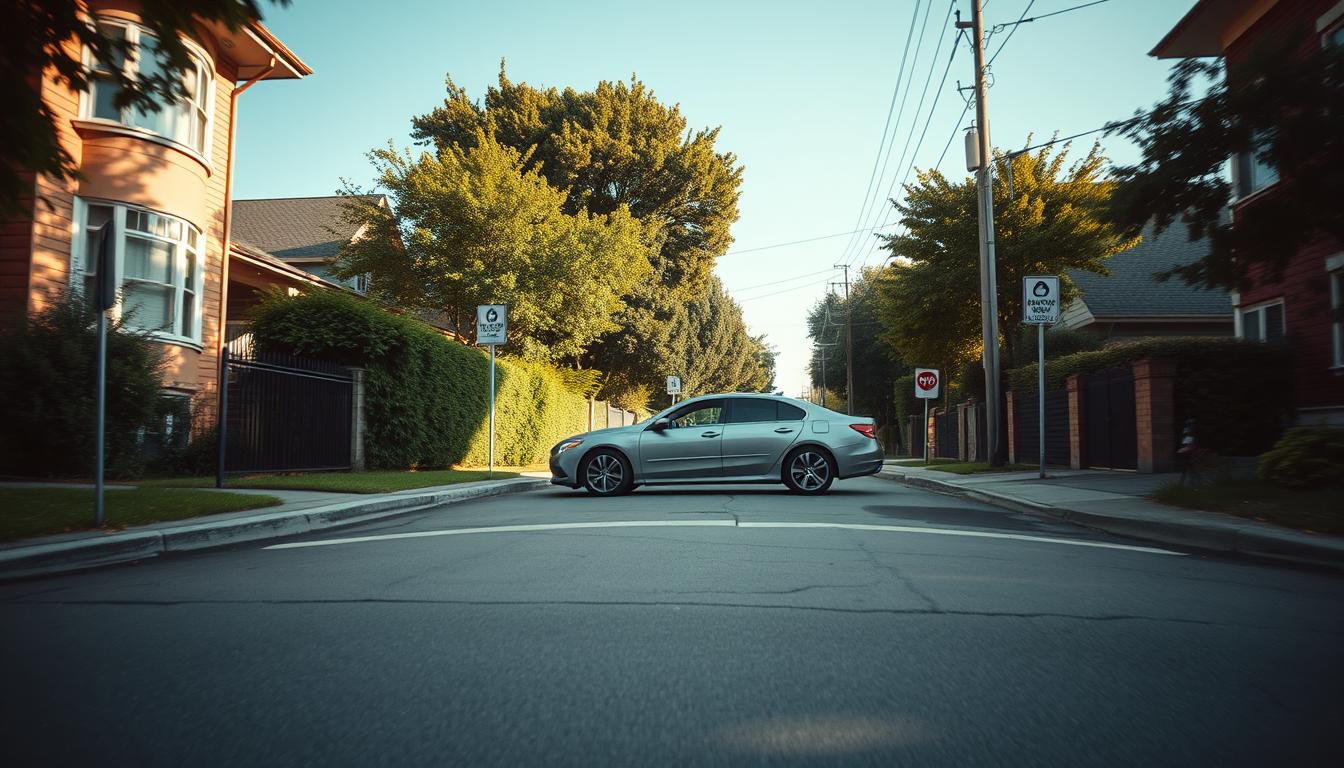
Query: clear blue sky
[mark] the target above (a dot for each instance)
(801, 90)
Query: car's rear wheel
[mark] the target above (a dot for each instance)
(809, 471)
(606, 473)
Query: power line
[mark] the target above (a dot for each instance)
(924, 92)
(777, 282)
(937, 96)
(999, 27)
(1014, 25)
(806, 240)
(900, 74)
(776, 293)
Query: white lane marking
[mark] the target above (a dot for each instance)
(509, 529)
(972, 534)
(718, 524)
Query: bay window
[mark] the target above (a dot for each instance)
(185, 121)
(158, 266)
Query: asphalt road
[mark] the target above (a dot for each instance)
(910, 629)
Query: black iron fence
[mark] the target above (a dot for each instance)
(1110, 429)
(284, 413)
(1026, 428)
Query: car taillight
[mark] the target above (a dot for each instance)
(864, 429)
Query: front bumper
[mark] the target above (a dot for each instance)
(564, 469)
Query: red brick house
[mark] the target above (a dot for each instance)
(164, 178)
(1305, 309)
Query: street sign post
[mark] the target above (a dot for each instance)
(1040, 307)
(927, 384)
(104, 298)
(492, 328)
(674, 387)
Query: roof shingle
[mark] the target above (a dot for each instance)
(293, 227)
(1132, 291)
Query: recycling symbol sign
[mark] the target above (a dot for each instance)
(492, 324)
(1040, 299)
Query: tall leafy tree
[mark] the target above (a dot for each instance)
(929, 294)
(474, 225)
(876, 364)
(716, 352)
(37, 36)
(617, 145)
(1284, 105)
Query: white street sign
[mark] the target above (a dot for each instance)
(492, 323)
(1040, 299)
(927, 383)
(674, 385)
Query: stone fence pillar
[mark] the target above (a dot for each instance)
(1074, 385)
(1012, 433)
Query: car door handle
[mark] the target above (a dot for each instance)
(784, 430)
(709, 434)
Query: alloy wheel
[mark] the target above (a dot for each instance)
(605, 473)
(809, 470)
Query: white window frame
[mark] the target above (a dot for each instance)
(1241, 313)
(1246, 183)
(184, 332)
(130, 67)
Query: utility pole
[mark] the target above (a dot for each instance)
(823, 346)
(849, 346)
(989, 302)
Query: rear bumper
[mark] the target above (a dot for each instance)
(863, 459)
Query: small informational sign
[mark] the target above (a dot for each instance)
(927, 382)
(1040, 299)
(674, 385)
(492, 324)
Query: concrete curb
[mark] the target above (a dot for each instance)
(128, 546)
(1248, 538)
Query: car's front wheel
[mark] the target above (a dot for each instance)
(606, 473)
(809, 471)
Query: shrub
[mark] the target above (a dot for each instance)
(426, 402)
(48, 369)
(1305, 457)
(1230, 387)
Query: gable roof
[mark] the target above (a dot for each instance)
(294, 228)
(1132, 291)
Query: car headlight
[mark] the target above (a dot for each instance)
(566, 445)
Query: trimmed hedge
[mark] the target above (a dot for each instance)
(1305, 457)
(425, 395)
(1232, 388)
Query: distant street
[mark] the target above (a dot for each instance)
(909, 628)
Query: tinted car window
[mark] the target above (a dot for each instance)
(749, 409)
(791, 412)
(699, 414)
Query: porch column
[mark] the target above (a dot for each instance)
(1155, 412)
(1074, 385)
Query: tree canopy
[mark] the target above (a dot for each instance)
(929, 295)
(37, 35)
(615, 146)
(876, 364)
(473, 225)
(716, 352)
(1284, 105)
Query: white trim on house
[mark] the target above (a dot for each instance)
(184, 331)
(1331, 16)
(1261, 307)
(1334, 274)
(202, 106)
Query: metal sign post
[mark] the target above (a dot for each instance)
(492, 328)
(674, 387)
(104, 298)
(1040, 306)
(927, 384)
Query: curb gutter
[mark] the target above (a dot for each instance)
(1249, 539)
(128, 546)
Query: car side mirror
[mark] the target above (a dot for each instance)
(660, 424)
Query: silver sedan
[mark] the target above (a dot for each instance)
(731, 438)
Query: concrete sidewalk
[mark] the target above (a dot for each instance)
(299, 512)
(1116, 502)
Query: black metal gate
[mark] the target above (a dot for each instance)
(1110, 439)
(285, 413)
(945, 434)
(1026, 428)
